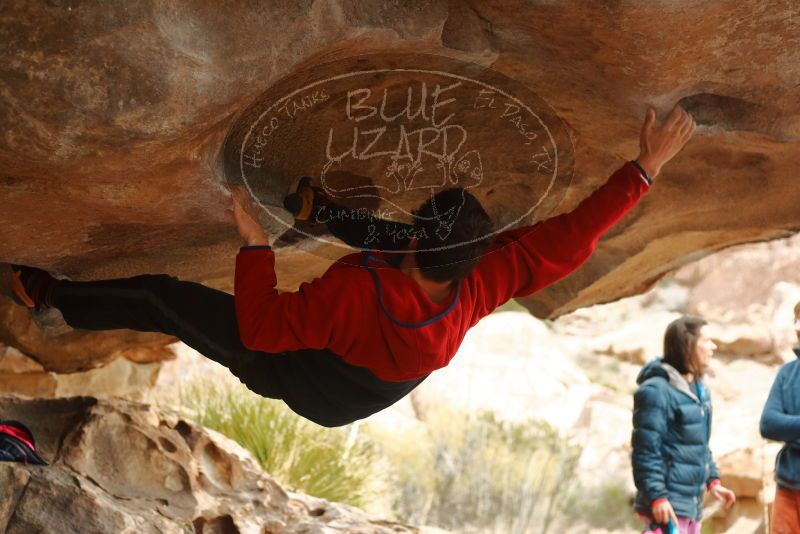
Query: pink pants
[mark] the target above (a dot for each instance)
(685, 526)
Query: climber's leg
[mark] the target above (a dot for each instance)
(201, 317)
(322, 387)
(317, 384)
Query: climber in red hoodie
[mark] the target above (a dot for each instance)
(379, 321)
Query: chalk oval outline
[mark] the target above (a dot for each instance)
(508, 226)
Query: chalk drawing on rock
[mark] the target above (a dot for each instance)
(388, 131)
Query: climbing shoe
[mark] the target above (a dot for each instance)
(18, 292)
(303, 199)
(29, 286)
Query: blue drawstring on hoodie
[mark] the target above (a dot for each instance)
(365, 263)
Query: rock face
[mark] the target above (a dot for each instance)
(21, 375)
(747, 284)
(126, 468)
(115, 118)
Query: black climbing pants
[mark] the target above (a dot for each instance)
(316, 384)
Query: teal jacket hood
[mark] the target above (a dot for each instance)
(650, 370)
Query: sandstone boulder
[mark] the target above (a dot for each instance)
(755, 341)
(124, 467)
(539, 380)
(121, 378)
(748, 284)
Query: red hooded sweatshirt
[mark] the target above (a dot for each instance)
(375, 316)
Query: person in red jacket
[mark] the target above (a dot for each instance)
(378, 322)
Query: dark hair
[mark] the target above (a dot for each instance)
(453, 231)
(680, 340)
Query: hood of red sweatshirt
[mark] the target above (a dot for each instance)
(421, 335)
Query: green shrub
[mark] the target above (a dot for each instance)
(334, 464)
(480, 474)
(511, 305)
(462, 472)
(607, 505)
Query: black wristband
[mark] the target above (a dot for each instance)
(644, 173)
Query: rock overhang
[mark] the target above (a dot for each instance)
(118, 116)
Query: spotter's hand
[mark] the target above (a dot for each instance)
(723, 494)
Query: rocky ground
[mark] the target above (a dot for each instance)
(126, 468)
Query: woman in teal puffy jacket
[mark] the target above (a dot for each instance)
(672, 464)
